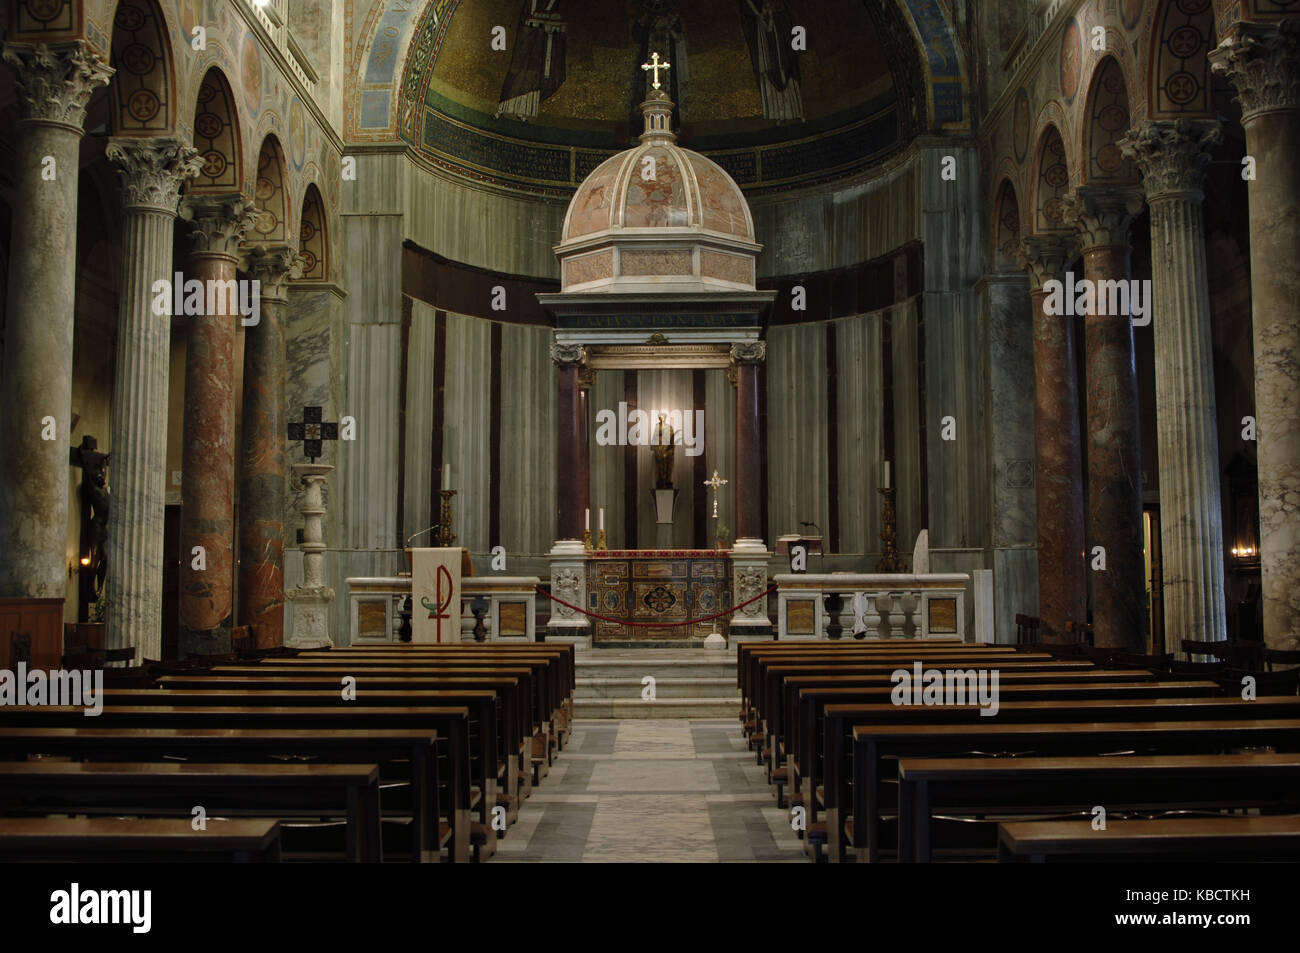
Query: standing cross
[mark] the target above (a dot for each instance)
(312, 431)
(655, 65)
(715, 483)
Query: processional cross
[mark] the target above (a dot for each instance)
(715, 483)
(655, 65)
(312, 431)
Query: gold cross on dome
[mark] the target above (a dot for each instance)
(655, 65)
(715, 483)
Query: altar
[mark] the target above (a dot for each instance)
(657, 586)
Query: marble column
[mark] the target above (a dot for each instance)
(1263, 62)
(1058, 467)
(1103, 215)
(53, 84)
(568, 555)
(208, 454)
(261, 465)
(569, 431)
(749, 555)
(1172, 156)
(152, 172)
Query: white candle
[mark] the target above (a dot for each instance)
(886, 474)
(446, 476)
(588, 520)
(602, 517)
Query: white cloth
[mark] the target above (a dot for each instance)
(435, 586)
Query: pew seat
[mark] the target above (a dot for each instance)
(139, 840)
(1192, 838)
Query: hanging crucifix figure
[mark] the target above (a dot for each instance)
(537, 64)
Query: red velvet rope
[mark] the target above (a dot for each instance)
(654, 625)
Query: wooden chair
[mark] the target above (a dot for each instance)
(1179, 666)
(1281, 657)
(1080, 632)
(1236, 654)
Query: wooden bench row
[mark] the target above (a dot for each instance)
(455, 736)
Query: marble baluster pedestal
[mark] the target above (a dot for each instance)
(311, 601)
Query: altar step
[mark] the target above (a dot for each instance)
(688, 683)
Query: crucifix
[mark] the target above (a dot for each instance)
(655, 65)
(311, 431)
(715, 483)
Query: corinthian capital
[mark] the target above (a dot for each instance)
(273, 266)
(1172, 155)
(1044, 257)
(1102, 216)
(749, 352)
(153, 171)
(56, 80)
(219, 221)
(568, 353)
(1263, 61)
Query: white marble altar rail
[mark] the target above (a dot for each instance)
(881, 605)
(500, 591)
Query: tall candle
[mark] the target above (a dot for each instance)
(446, 476)
(886, 474)
(588, 520)
(602, 517)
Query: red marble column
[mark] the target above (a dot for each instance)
(261, 466)
(749, 488)
(1119, 616)
(1058, 483)
(208, 455)
(568, 449)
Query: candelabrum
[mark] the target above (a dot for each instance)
(445, 536)
(600, 542)
(889, 561)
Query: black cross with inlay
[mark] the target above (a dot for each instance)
(312, 431)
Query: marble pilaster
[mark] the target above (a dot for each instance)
(569, 432)
(1103, 216)
(1058, 468)
(208, 454)
(152, 172)
(53, 84)
(1263, 62)
(261, 465)
(1172, 156)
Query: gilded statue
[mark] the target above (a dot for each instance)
(663, 451)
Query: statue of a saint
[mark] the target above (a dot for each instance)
(664, 449)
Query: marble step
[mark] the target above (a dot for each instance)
(659, 708)
(665, 687)
(661, 667)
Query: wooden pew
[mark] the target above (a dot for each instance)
(398, 751)
(1006, 785)
(1201, 838)
(148, 840)
(347, 790)
(876, 746)
(806, 751)
(450, 722)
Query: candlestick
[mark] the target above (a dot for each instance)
(445, 536)
(586, 539)
(889, 561)
(601, 544)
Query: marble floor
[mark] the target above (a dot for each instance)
(653, 792)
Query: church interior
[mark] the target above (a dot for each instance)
(650, 431)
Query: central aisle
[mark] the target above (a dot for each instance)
(649, 790)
